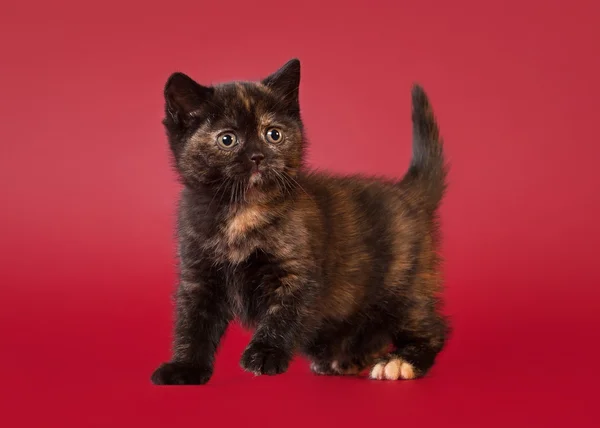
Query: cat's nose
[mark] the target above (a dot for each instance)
(257, 158)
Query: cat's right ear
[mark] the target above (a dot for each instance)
(183, 96)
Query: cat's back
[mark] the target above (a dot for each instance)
(372, 196)
(365, 214)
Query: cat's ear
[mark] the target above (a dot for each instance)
(183, 96)
(285, 81)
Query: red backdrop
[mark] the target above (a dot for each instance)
(88, 200)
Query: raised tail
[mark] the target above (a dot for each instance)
(425, 180)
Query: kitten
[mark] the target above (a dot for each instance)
(342, 270)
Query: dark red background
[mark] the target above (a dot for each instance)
(88, 202)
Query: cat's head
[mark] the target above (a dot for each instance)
(245, 135)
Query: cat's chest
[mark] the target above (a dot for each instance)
(238, 234)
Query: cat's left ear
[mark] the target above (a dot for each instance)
(286, 81)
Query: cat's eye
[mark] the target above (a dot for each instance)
(274, 135)
(227, 140)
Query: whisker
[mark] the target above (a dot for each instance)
(215, 195)
(236, 197)
(227, 181)
(282, 183)
(299, 185)
(246, 190)
(240, 192)
(232, 195)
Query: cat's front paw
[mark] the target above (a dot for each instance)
(260, 358)
(180, 374)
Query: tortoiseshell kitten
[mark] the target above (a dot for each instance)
(343, 270)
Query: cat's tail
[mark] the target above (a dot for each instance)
(425, 180)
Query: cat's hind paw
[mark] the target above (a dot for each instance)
(393, 368)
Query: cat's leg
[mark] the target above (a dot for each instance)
(346, 365)
(202, 315)
(354, 354)
(320, 351)
(340, 366)
(417, 346)
(322, 368)
(284, 326)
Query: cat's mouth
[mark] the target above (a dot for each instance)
(256, 177)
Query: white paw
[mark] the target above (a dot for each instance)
(393, 369)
